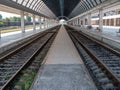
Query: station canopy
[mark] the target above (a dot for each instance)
(54, 8)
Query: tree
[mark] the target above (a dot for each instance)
(119, 12)
(13, 19)
(0, 17)
(16, 19)
(1, 24)
(7, 19)
(28, 19)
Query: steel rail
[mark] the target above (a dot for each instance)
(101, 44)
(109, 73)
(24, 65)
(19, 48)
(24, 45)
(27, 63)
(29, 60)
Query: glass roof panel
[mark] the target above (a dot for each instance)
(33, 3)
(25, 2)
(36, 4)
(93, 2)
(14, 0)
(98, 1)
(19, 1)
(29, 3)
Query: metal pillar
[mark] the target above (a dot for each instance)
(44, 22)
(79, 21)
(34, 27)
(47, 23)
(73, 22)
(50, 23)
(83, 22)
(40, 25)
(22, 22)
(0, 32)
(114, 21)
(101, 19)
(89, 19)
(105, 22)
(76, 22)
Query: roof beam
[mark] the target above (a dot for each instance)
(106, 4)
(20, 7)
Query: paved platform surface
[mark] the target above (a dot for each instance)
(108, 32)
(108, 36)
(63, 68)
(9, 38)
(63, 50)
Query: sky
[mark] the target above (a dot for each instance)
(5, 14)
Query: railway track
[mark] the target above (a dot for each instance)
(14, 62)
(102, 62)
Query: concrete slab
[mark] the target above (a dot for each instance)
(105, 37)
(10, 40)
(63, 50)
(63, 77)
(63, 69)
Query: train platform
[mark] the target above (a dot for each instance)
(105, 36)
(14, 36)
(9, 40)
(63, 68)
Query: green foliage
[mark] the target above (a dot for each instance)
(29, 80)
(0, 17)
(7, 19)
(118, 12)
(13, 19)
(28, 19)
(1, 24)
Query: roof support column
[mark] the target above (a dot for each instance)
(22, 22)
(105, 22)
(34, 27)
(79, 21)
(54, 22)
(74, 22)
(50, 22)
(89, 19)
(114, 21)
(109, 22)
(0, 32)
(101, 19)
(40, 25)
(83, 22)
(45, 23)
